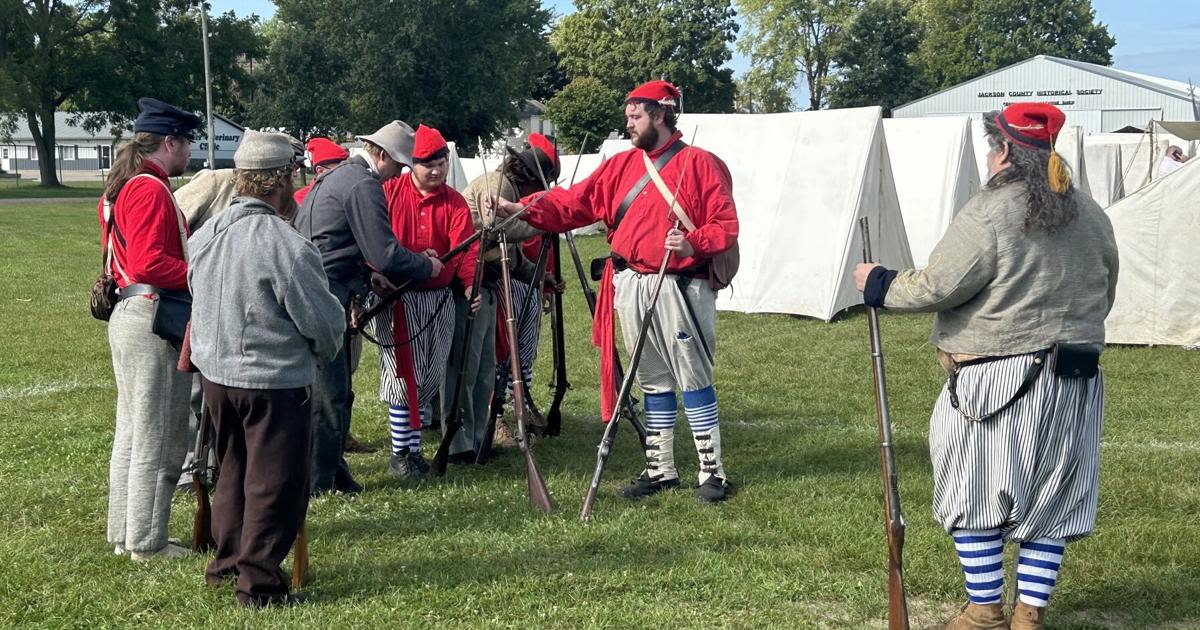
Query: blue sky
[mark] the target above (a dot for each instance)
(1156, 37)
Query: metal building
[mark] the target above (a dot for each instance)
(1097, 98)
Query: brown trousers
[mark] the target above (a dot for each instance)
(263, 440)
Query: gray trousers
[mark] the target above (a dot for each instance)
(479, 380)
(150, 440)
(673, 358)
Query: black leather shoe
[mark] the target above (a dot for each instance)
(643, 487)
(714, 490)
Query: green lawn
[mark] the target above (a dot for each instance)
(26, 189)
(800, 546)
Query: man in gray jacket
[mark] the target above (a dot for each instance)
(345, 215)
(263, 319)
(1021, 283)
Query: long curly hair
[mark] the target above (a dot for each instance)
(1045, 209)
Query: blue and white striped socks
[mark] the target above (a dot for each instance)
(981, 552)
(1037, 569)
(404, 439)
(661, 410)
(701, 409)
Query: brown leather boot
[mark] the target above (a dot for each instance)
(975, 617)
(1026, 617)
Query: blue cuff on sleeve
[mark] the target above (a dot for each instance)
(878, 283)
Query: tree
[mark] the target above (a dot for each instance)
(95, 57)
(585, 106)
(790, 39)
(966, 38)
(459, 65)
(623, 43)
(875, 59)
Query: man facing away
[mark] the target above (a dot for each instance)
(264, 319)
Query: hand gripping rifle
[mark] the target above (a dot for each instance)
(202, 536)
(610, 430)
(894, 519)
(538, 494)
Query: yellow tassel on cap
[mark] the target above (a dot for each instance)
(1060, 178)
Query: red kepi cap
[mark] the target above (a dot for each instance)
(429, 141)
(1036, 126)
(656, 91)
(323, 151)
(1033, 125)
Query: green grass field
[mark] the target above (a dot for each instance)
(800, 546)
(26, 189)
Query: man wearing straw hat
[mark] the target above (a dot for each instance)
(345, 215)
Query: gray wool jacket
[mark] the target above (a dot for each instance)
(1000, 290)
(346, 216)
(262, 312)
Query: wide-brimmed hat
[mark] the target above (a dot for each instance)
(396, 139)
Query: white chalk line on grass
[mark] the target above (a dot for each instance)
(45, 389)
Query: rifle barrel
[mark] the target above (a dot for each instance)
(893, 517)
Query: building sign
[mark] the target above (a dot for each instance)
(1026, 93)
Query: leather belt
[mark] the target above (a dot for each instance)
(134, 290)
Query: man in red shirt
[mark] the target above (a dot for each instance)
(146, 234)
(415, 336)
(323, 154)
(641, 230)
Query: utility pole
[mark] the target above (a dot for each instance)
(212, 164)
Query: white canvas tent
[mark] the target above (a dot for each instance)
(1157, 228)
(801, 180)
(933, 164)
(456, 177)
(1117, 164)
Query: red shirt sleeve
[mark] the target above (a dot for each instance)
(718, 230)
(152, 254)
(563, 209)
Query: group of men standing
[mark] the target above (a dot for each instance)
(278, 276)
(1021, 283)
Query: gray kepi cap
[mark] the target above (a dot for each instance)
(397, 139)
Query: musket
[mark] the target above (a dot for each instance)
(489, 430)
(893, 518)
(558, 347)
(538, 494)
(455, 423)
(610, 430)
(202, 536)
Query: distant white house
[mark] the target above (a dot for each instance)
(77, 149)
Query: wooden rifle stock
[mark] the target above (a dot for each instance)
(893, 517)
(300, 557)
(538, 494)
(202, 536)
